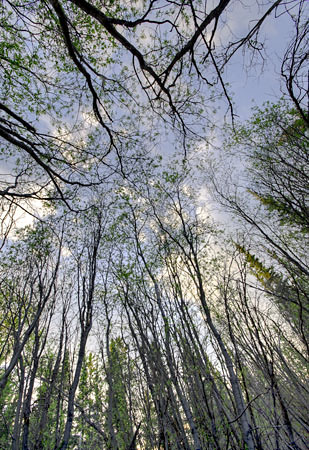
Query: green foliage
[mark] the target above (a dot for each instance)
(90, 398)
(87, 97)
(262, 273)
(117, 388)
(8, 402)
(276, 143)
(45, 437)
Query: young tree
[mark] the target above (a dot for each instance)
(276, 147)
(28, 292)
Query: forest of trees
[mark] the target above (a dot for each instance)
(131, 318)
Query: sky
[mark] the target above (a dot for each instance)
(250, 84)
(257, 82)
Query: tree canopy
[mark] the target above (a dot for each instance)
(130, 317)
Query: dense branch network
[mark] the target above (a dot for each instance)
(66, 59)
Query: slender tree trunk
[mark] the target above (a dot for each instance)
(60, 400)
(183, 400)
(237, 394)
(86, 310)
(19, 348)
(27, 405)
(111, 405)
(17, 421)
(49, 392)
(73, 388)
